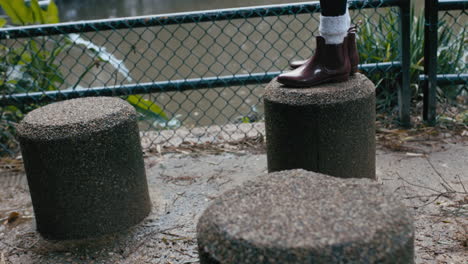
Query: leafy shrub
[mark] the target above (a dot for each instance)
(379, 43)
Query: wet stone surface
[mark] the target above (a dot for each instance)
(304, 217)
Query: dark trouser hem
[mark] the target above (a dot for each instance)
(333, 7)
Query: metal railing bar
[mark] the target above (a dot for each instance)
(140, 88)
(165, 86)
(444, 79)
(447, 5)
(179, 18)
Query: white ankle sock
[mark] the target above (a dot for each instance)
(334, 28)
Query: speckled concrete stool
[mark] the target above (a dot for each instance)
(85, 169)
(304, 217)
(328, 128)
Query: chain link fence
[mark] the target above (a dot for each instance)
(445, 78)
(195, 76)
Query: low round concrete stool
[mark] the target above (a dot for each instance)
(85, 169)
(328, 128)
(299, 217)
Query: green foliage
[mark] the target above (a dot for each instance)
(27, 66)
(379, 42)
(146, 107)
(246, 120)
(463, 118)
(31, 66)
(21, 13)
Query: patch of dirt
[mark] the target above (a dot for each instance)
(427, 170)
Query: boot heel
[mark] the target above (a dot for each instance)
(353, 71)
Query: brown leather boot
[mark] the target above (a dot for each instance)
(353, 53)
(330, 63)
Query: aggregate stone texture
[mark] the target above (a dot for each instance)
(298, 216)
(84, 166)
(328, 128)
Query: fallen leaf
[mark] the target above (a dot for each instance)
(10, 164)
(13, 216)
(391, 131)
(414, 154)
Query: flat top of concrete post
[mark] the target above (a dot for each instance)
(75, 117)
(304, 211)
(358, 86)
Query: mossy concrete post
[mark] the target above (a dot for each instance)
(302, 217)
(85, 168)
(328, 128)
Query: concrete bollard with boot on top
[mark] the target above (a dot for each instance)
(321, 115)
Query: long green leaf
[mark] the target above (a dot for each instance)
(147, 106)
(10, 11)
(37, 11)
(52, 14)
(2, 22)
(23, 11)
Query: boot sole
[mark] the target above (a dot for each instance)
(342, 78)
(353, 70)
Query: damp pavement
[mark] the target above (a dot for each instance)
(432, 183)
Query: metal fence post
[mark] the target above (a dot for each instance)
(430, 60)
(404, 92)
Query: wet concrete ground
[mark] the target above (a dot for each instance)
(432, 183)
